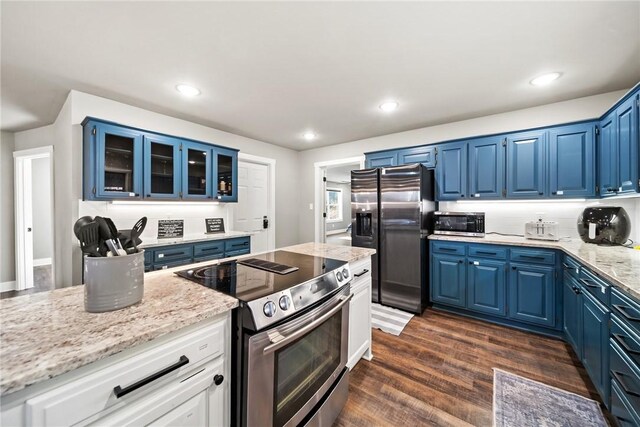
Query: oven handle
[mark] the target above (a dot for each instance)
(280, 341)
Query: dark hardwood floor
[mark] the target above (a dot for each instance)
(439, 372)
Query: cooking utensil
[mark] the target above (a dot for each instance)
(107, 237)
(137, 230)
(79, 223)
(114, 232)
(89, 237)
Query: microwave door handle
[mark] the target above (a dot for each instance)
(279, 341)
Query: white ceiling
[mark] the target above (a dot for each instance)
(271, 71)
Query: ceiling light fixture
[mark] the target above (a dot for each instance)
(389, 106)
(188, 90)
(545, 79)
(309, 136)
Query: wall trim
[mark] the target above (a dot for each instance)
(8, 286)
(339, 231)
(42, 261)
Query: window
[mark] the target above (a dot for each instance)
(334, 205)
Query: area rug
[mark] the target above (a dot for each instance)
(389, 320)
(521, 402)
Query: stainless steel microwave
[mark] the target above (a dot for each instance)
(459, 223)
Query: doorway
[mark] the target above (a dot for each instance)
(34, 219)
(255, 210)
(333, 200)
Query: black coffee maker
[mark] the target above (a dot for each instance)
(607, 225)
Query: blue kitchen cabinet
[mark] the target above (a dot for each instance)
(526, 165)
(532, 294)
(595, 337)
(448, 280)
(112, 161)
(381, 159)
(196, 171)
(451, 171)
(607, 156)
(572, 313)
(571, 161)
(486, 286)
(225, 173)
(162, 166)
(425, 155)
(486, 168)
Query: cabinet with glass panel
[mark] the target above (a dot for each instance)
(120, 162)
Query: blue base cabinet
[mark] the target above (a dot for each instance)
(486, 290)
(595, 336)
(169, 256)
(572, 310)
(448, 284)
(532, 294)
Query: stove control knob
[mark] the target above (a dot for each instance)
(285, 302)
(339, 276)
(345, 273)
(269, 308)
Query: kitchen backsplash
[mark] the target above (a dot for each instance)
(509, 217)
(125, 215)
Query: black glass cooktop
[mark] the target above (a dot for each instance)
(249, 283)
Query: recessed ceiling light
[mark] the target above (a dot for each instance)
(389, 106)
(309, 136)
(187, 90)
(545, 79)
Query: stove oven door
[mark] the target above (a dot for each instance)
(292, 367)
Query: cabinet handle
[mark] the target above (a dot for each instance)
(514, 268)
(235, 245)
(618, 376)
(217, 379)
(620, 340)
(215, 248)
(566, 266)
(587, 284)
(119, 391)
(532, 257)
(448, 249)
(554, 193)
(486, 253)
(623, 310)
(621, 419)
(365, 271)
(540, 193)
(576, 290)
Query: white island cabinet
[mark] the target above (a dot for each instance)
(181, 378)
(360, 312)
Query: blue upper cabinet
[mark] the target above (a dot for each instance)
(225, 173)
(120, 162)
(425, 155)
(607, 156)
(526, 165)
(571, 161)
(196, 171)
(162, 166)
(626, 131)
(382, 159)
(451, 171)
(486, 168)
(112, 162)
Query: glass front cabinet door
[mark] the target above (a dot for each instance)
(114, 159)
(161, 167)
(196, 171)
(225, 171)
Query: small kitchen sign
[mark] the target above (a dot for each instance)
(170, 228)
(214, 225)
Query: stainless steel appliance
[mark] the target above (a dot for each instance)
(391, 211)
(290, 336)
(459, 223)
(604, 225)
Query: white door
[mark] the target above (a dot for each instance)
(24, 223)
(252, 208)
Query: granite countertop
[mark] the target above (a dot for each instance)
(192, 238)
(617, 264)
(342, 253)
(47, 334)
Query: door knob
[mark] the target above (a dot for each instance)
(29, 229)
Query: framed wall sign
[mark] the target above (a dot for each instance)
(214, 225)
(170, 228)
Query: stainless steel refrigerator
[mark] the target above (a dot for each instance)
(391, 212)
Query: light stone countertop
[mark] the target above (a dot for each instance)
(47, 334)
(617, 264)
(192, 238)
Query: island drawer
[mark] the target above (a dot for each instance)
(237, 245)
(451, 248)
(487, 251)
(538, 256)
(361, 273)
(173, 253)
(626, 309)
(208, 248)
(125, 382)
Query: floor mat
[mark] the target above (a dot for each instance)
(389, 320)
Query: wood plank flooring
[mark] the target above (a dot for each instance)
(439, 372)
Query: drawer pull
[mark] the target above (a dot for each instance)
(448, 249)
(620, 340)
(486, 253)
(235, 245)
(365, 271)
(589, 283)
(533, 257)
(170, 254)
(215, 248)
(618, 376)
(119, 391)
(623, 311)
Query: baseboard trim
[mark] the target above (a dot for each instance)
(8, 286)
(41, 262)
(339, 231)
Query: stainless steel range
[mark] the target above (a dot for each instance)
(290, 336)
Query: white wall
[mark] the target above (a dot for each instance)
(7, 237)
(346, 206)
(509, 217)
(546, 115)
(41, 202)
